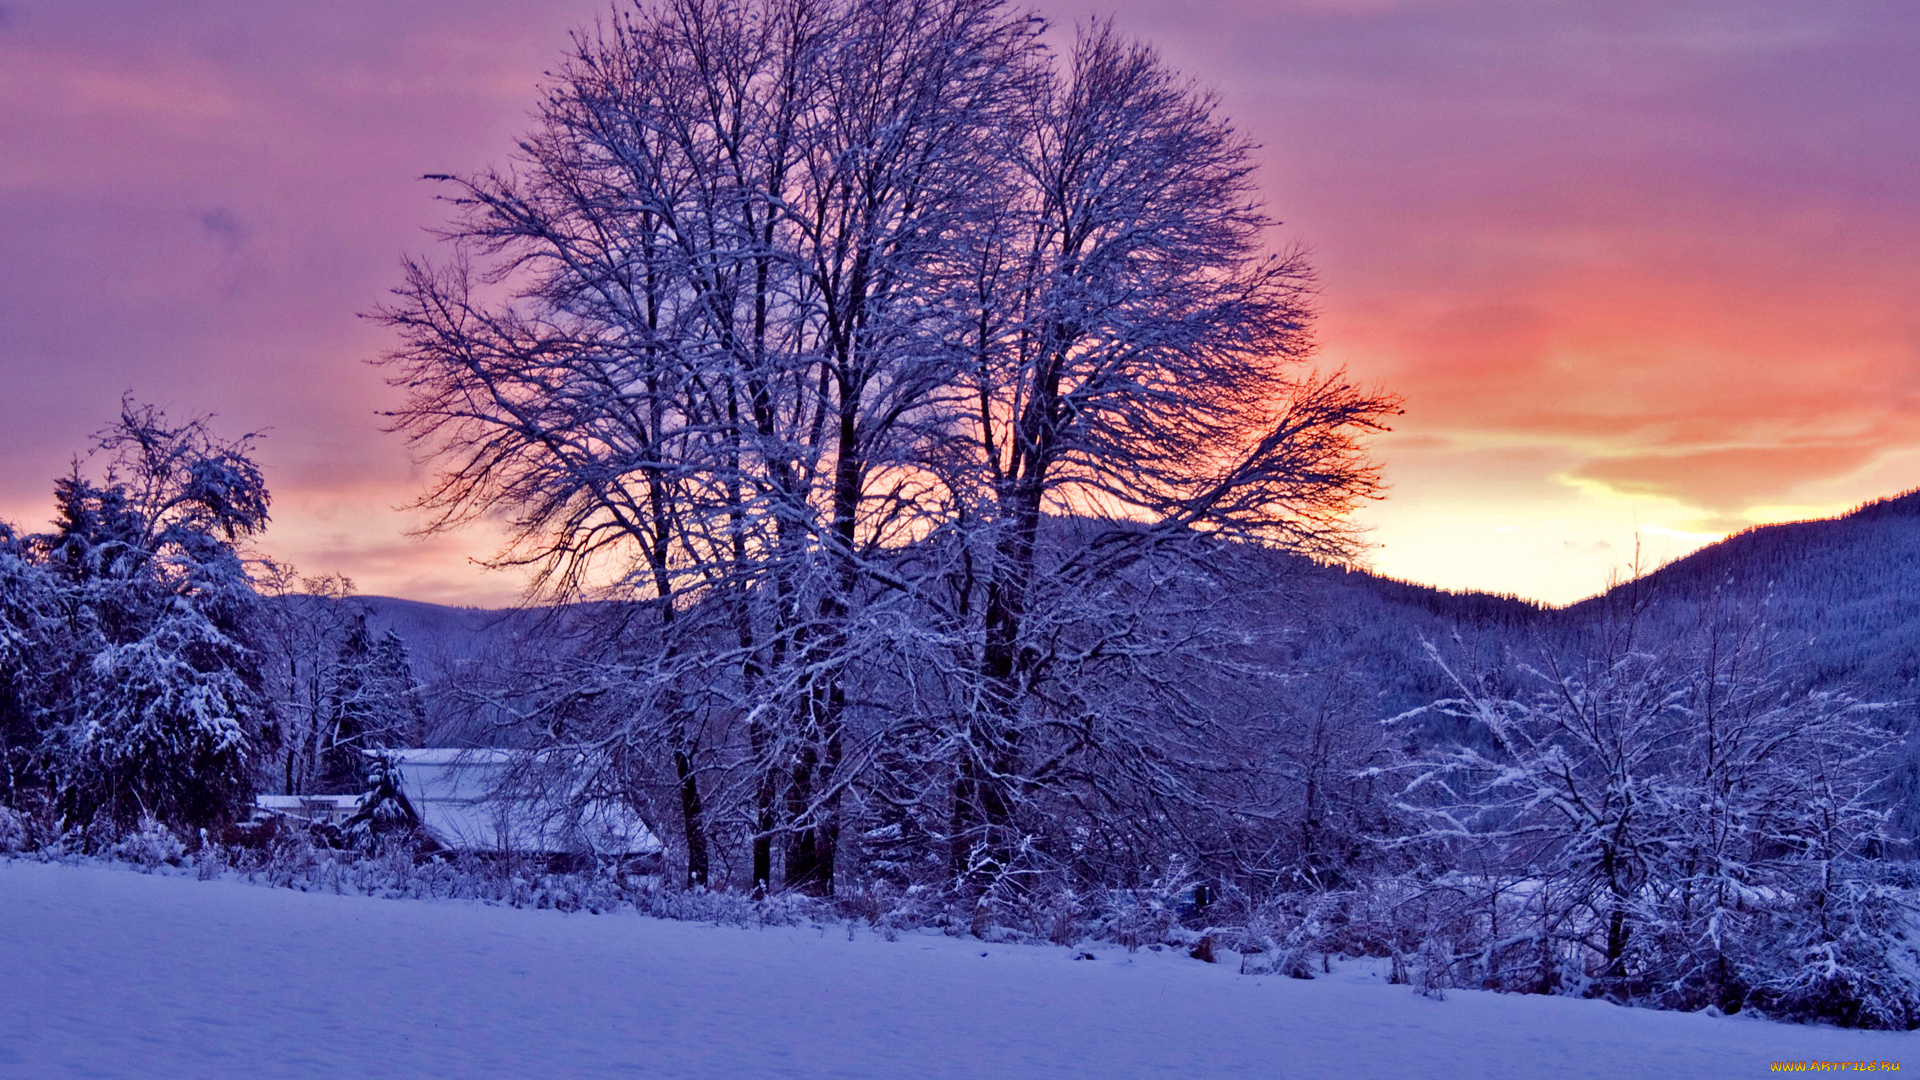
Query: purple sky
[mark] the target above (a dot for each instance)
(1641, 267)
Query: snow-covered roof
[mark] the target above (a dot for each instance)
(506, 800)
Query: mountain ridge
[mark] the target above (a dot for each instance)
(1842, 594)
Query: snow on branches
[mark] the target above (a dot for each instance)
(1663, 817)
(132, 691)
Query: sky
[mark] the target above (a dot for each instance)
(1645, 273)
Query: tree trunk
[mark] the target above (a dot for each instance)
(764, 820)
(692, 816)
(1617, 932)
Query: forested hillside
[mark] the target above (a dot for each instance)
(1842, 594)
(1844, 591)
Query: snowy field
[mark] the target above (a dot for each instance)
(111, 973)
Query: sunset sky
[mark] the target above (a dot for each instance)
(1644, 268)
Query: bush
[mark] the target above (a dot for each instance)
(150, 845)
(14, 834)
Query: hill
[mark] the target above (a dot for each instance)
(1843, 593)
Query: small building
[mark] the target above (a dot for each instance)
(314, 809)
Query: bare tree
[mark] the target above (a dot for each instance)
(1132, 350)
(301, 625)
(709, 370)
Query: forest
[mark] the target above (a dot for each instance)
(911, 433)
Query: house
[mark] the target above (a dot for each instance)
(512, 802)
(487, 802)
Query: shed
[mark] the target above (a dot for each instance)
(317, 809)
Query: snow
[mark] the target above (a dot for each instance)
(111, 973)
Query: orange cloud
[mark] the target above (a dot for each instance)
(1724, 480)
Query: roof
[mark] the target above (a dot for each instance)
(508, 800)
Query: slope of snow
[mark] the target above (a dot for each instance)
(109, 973)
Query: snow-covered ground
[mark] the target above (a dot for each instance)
(111, 973)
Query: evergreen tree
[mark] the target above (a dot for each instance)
(25, 617)
(148, 696)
